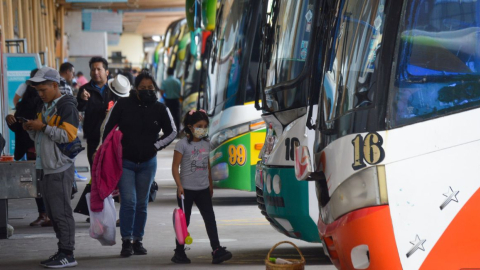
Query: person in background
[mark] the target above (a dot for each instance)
(93, 99)
(81, 80)
(75, 87)
(56, 123)
(140, 118)
(120, 86)
(27, 108)
(129, 76)
(22, 88)
(67, 74)
(170, 90)
(191, 171)
(67, 71)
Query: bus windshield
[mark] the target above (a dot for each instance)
(349, 80)
(438, 61)
(234, 84)
(192, 76)
(291, 25)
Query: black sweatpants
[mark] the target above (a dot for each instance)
(57, 194)
(203, 201)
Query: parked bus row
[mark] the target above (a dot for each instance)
(373, 101)
(357, 115)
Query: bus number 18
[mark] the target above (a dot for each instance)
(290, 148)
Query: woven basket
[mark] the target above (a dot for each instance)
(296, 264)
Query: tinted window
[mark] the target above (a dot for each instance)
(291, 25)
(236, 30)
(438, 69)
(357, 38)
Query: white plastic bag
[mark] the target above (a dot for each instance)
(103, 224)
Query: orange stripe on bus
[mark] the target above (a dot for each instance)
(459, 246)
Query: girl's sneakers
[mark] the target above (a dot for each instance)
(180, 257)
(220, 255)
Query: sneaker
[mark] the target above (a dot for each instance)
(78, 177)
(127, 248)
(49, 259)
(220, 255)
(180, 257)
(138, 248)
(60, 260)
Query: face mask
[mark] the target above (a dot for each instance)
(147, 96)
(200, 133)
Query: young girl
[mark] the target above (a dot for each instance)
(194, 181)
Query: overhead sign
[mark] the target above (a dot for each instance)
(96, 20)
(17, 68)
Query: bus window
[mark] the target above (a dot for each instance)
(292, 28)
(357, 39)
(438, 58)
(230, 60)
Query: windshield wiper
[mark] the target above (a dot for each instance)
(440, 77)
(277, 33)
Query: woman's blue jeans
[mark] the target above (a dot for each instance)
(134, 186)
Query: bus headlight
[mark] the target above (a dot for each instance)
(229, 133)
(363, 189)
(235, 131)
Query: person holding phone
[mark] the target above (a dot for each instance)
(56, 123)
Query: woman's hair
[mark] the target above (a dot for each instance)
(145, 75)
(192, 119)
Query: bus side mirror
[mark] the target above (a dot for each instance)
(303, 163)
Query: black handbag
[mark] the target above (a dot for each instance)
(82, 207)
(153, 192)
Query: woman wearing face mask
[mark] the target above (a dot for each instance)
(140, 118)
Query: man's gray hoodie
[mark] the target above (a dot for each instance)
(62, 125)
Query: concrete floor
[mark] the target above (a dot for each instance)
(242, 229)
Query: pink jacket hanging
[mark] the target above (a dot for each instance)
(106, 169)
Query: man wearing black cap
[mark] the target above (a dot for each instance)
(56, 124)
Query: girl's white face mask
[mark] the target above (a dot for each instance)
(200, 133)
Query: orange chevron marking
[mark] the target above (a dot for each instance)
(459, 246)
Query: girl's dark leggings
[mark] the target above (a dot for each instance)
(202, 199)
